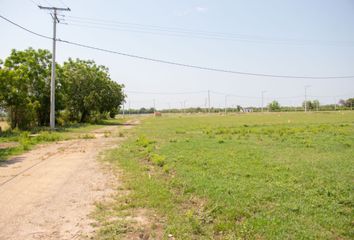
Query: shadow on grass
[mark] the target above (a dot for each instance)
(9, 134)
(110, 124)
(81, 125)
(6, 152)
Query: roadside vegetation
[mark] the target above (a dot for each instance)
(84, 90)
(13, 142)
(243, 176)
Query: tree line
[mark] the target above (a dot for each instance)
(273, 106)
(85, 91)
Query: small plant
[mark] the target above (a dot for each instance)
(166, 168)
(25, 143)
(143, 141)
(107, 134)
(194, 222)
(87, 136)
(48, 137)
(157, 159)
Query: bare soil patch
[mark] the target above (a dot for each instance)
(49, 192)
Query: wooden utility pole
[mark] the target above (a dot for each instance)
(52, 81)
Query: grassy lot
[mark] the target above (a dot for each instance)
(250, 176)
(13, 142)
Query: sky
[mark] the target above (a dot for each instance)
(281, 37)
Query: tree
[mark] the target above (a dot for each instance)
(347, 103)
(25, 87)
(315, 104)
(89, 90)
(311, 105)
(238, 107)
(83, 89)
(274, 106)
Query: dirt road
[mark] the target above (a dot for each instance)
(48, 192)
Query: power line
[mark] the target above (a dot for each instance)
(179, 64)
(62, 2)
(212, 35)
(254, 97)
(165, 93)
(341, 95)
(185, 33)
(48, 3)
(34, 2)
(160, 33)
(233, 95)
(26, 29)
(203, 68)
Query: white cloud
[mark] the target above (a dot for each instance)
(201, 9)
(188, 11)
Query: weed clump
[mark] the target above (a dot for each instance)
(157, 159)
(87, 136)
(143, 141)
(107, 134)
(48, 137)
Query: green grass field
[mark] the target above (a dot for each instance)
(246, 176)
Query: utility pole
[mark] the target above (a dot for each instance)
(263, 92)
(52, 81)
(154, 105)
(335, 104)
(226, 96)
(209, 99)
(306, 87)
(129, 108)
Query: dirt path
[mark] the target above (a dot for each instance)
(48, 192)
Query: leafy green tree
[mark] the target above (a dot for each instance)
(25, 88)
(311, 105)
(90, 90)
(315, 105)
(308, 105)
(274, 106)
(83, 89)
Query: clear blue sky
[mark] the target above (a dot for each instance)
(303, 37)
